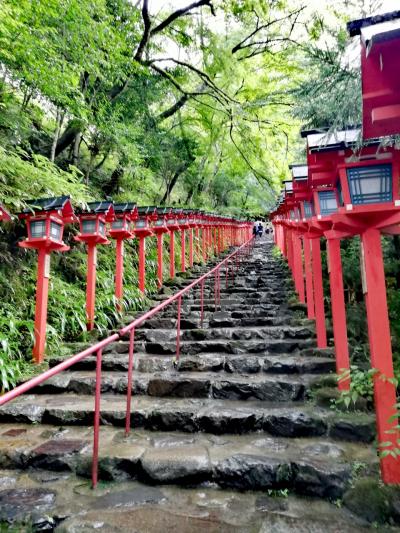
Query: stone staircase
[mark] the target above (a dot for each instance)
(237, 410)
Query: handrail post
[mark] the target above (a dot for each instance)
(96, 424)
(215, 290)
(201, 302)
(91, 285)
(219, 285)
(119, 273)
(129, 382)
(178, 329)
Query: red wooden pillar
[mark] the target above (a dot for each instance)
(204, 242)
(183, 251)
(338, 311)
(298, 266)
(160, 238)
(289, 243)
(285, 242)
(197, 245)
(42, 291)
(318, 293)
(380, 349)
(172, 254)
(190, 248)
(91, 285)
(142, 263)
(119, 272)
(309, 278)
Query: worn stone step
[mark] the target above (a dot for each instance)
(48, 499)
(238, 333)
(269, 305)
(193, 415)
(250, 462)
(242, 364)
(222, 385)
(261, 347)
(221, 319)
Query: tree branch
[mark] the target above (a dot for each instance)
(202, 75)
(146, 32)
(179, 13)
(246, 42)
(174, 108)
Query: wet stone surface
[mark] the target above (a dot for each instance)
(17, 504)
(232, 424)
(71, 506)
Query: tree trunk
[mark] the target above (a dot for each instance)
(77, 146)
(59, 120)
(113, 185)
(173, 181)
(73, 127)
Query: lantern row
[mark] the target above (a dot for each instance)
(46, 218)
(344, 190)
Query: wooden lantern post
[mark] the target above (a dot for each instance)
(45, 220)
(142, 230)
(184, 225)
(120, 230)
(159, 229)
(93, 232)
(172, 225)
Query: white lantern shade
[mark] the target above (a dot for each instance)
(102, 228)
(88, 226)
(370, 184)
(55, 230)
(327, 202)
(37, 229)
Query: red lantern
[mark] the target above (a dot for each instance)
(380, 67)
(159, 228)
(191, 225)
(172, 225)
(142, 230)
(4, 214)
(45, 219)
(184, 225)
(93, 232)
(121, 230)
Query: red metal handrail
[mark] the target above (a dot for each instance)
(99, 346)
(37, 380)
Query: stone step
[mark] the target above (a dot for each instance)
(219, 417)
(188, 308)
(311, 466)
(242, 364)
(221, 385)
(238, 333)
(264, 347)
(62, 500)
(235, 311)
(222, 319)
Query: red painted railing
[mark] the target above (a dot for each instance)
(230, 263)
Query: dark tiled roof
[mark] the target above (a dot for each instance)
(354, 27)
(46, 204)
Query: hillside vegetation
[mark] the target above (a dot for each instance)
(196, 104)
